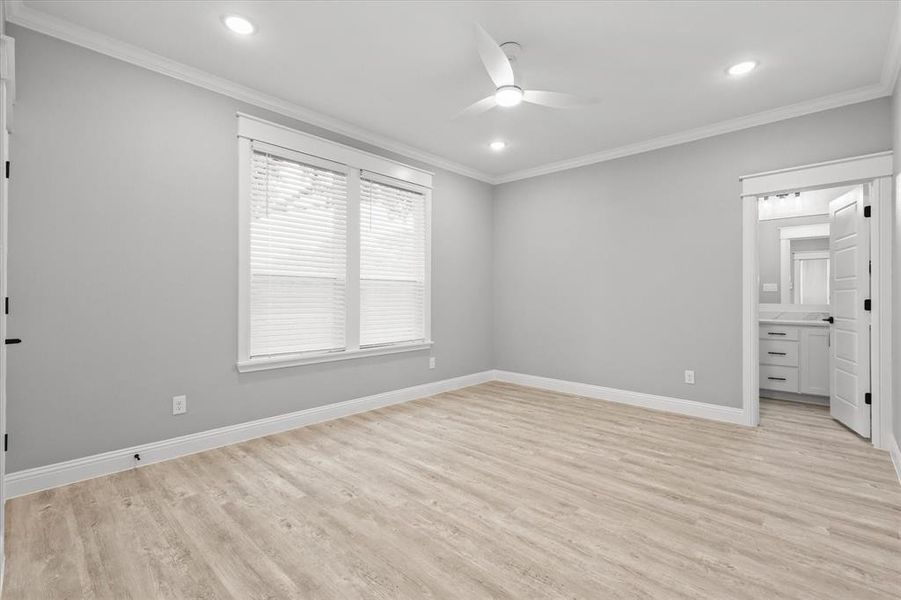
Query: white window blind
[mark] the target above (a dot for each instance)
(298, 255)
(392, 263)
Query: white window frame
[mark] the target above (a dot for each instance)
(252, 129)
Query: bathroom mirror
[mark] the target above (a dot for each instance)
(793, 236)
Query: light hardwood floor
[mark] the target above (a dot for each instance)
(495, 491)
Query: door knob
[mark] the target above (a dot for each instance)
(829, 320)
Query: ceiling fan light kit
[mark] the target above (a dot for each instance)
(508, 95)
(498, 60)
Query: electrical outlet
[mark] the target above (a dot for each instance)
(432, 362)
(179, 405)
(689, 377)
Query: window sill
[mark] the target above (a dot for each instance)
(298, 360)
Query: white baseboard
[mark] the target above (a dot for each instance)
(895, 452)
(71, 471)
(691, 408)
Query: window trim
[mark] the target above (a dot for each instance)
(252, 129)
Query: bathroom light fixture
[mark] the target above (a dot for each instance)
(239, 25)
(498, 145)
(742, 68)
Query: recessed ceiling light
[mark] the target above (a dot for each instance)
(742, 68)
(239, 25)
(508, 95)
(498, 145)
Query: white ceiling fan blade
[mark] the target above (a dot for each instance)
(494, 59)
(556, 99)
(477, 108)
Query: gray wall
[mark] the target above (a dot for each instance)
(122, 266)
(628, 272)
(769, 253)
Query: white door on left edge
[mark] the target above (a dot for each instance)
(849, 243)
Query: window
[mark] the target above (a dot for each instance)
(298, 255)
(334, 252)
(392, 263)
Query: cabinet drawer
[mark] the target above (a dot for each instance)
(778, 332)
(779, 352)
(783, 379)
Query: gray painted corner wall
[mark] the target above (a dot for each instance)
(628, 272)
(123, 256)
(769, 251)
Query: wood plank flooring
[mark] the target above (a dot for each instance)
(494, 491)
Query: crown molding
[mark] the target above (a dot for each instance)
(20, 14)
(862, 94)
(36, 20)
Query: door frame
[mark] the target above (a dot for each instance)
(871, 168)
(7, 99)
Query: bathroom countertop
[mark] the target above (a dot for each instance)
(812, 319)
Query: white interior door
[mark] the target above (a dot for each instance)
(850, 285)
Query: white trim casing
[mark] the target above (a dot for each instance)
(255, 128)
(831, 173)
(750, 284)
(804, 232)
(881, 255)
(36, 20)
(872, 169)
(297, 360)
(713, 412)
(71, 471)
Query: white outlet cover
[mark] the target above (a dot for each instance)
(689, 376)
(179, 405)
(432, 362)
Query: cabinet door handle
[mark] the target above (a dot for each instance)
(777, 353)
(775, 333)
(777, 378)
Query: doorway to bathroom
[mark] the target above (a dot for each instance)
(816, 285)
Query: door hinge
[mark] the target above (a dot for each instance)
(7, 169)
(867, 305)
(5, 442)
(868, 398)
(866, 211)
(6, 306)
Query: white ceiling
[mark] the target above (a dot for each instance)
(401, 70)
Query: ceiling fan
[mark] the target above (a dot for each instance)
(499, 60)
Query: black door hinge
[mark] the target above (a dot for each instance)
(867, 304)
(7, 169)
(870, 266)
(6, 306)
(5, 442)
(868, 398)
(866, 211)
